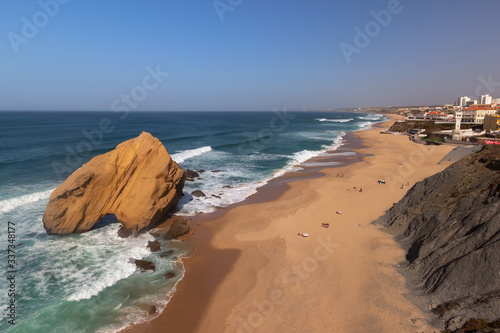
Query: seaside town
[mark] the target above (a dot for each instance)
(465, 121)
(468, 120)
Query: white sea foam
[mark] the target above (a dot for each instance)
(371, 117)
(302, 156)
(107, 270)
(213, 182)
(137, 315)
(365, 124)
(305, 155)
(335, 120)
(8, 205)
(187, 154)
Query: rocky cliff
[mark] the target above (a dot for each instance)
(138, 182)
(450, 226)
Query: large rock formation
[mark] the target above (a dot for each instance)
(138, 182)
(450, 225)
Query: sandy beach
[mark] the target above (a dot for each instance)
(253, 272)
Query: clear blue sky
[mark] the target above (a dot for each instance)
(265, 54)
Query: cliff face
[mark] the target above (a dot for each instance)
(137, 181)
(450, 225)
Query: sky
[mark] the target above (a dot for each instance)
(233, 55)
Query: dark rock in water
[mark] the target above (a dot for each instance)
(154, 246)
(125, 233)
(450, 226)
(216, 170)
(191, 175)
(151, 309)
(227, 186)
(169, 275)
(178, 228)
(200, 171)
(198, 194)
(216, 196)
(144, 265)
(167, 254)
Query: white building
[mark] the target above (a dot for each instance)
(462, 101)
(485, 99)
(456, 134)
(495, 101)
(476, 114)
(471, 102)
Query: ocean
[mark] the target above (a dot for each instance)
(86, 282)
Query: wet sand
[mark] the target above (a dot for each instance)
(252, 272)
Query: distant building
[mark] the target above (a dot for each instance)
(471, 102)
(495, 101)
(485, 99)
(490, 106)
(476, 114)
(462, 101)
(437, 115)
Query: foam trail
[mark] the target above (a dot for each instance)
(304, 155)
(118, 264)
(335, 120)
(374, 117)
(365, 124)
(13, 203)
(184, 155)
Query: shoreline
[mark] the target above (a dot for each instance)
(226, 273)
(205, 258)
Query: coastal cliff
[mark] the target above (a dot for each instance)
(138, 182)
(450, 226)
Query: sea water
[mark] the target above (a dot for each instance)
(87, 282)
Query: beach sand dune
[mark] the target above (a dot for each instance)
(338, 279)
